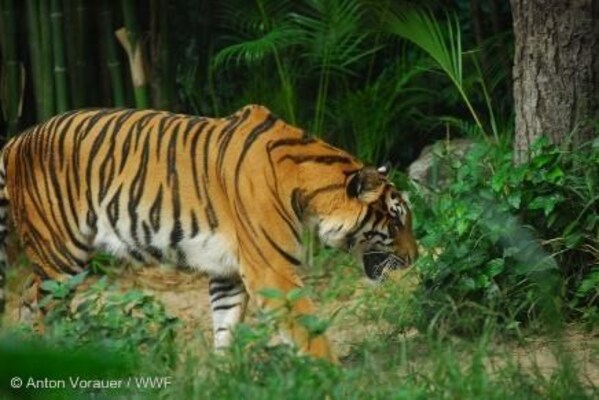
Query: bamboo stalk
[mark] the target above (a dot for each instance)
(33, 28)
(79, 41)
(129, 39)
(11, 95)
(112, 59)
(46, 61)
(60, 70)
(166, 83)
(71, 39)
(76, 29)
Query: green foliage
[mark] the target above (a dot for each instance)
(364, 75)
(509, 243)
(443, 43)
(100, 316)
(38, 360)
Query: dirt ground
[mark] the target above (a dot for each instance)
(185, 295)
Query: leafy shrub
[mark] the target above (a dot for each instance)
(509, 243)
(129, 322)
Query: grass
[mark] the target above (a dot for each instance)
(114, 336)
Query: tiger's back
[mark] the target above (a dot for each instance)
(147, 185)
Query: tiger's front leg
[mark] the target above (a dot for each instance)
(228, 299)
(285, 279)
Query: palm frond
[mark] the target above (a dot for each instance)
(253, 18)
(252, 51)
(330, 31)
(442, 42)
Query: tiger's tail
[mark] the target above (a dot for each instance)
(3, 233)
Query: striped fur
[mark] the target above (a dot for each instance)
(226, 196)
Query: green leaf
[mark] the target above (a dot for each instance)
(76, 280)
(313, 324)
(272, 293)
(591, 282)
(545, 203)
(574, 239)
(514, 200)
(555, 175)
(296, 294)
(482, 281)
(494, 267)
(50, 285)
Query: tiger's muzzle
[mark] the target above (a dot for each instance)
(378, 263)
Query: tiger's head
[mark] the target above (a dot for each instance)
(371, 220)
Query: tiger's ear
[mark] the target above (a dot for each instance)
(366, 185)
(385, 169)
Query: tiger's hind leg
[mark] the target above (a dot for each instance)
(228, 299)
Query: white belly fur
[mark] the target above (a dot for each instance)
(205, 252)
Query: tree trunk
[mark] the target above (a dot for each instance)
(556, 71)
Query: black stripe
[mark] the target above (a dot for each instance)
(195, 228)
(96, 145)
(164, 127)
(226, 294)
(173, 178)
(112, 209)
(194, 158)
(287, 218)
(298, 203)
(282, 252)
(62, 138)
(205, 151)
(172, 154)
(155, 209)
(225, 286)
(211, 215)
(227, 134)
(225, 307)
(191, 124)
(264, 126)
(147, 232)
(136, 255)
(291, 142)
(329, 188)
(136, 190)
(155, 252)
(330, 159)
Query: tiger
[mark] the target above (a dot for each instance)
(229, 197)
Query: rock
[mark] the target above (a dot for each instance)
(432, 170)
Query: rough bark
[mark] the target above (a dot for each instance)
(556, 71)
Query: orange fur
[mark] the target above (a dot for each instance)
(156, 187)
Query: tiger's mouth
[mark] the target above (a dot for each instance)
(377, 263)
